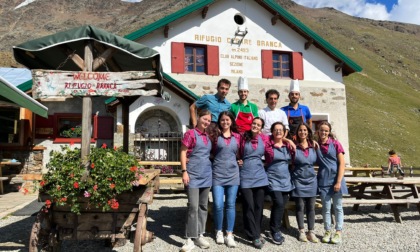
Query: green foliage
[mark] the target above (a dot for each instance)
(72, 132)
(110, 172)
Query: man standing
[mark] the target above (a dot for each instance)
(214, 103)
(271, 114)
(243, 110)
(296, 113)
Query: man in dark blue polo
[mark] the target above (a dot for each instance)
(295, 112)
(215, 103)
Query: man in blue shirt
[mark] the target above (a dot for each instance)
(296, 113)
(215, 103)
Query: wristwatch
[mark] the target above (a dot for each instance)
(183, 171)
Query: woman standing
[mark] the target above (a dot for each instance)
(225, 177)
(280, 184)
(197, 177)
(305, 181)
(331, 182)
(253, 180)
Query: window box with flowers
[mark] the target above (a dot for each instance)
(110, 174)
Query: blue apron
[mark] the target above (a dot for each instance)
(328, 171)
(252, 171)
(199, 165)
(225, 165)
(278, 174)
(303, 175)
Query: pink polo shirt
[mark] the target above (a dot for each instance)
(189, 139)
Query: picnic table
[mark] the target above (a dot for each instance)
(368, 171)
(361, 191)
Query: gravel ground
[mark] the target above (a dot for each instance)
(365, 230)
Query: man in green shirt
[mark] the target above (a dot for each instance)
(243, 110)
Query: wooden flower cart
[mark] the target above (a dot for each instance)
(88, 62)
(58, 223)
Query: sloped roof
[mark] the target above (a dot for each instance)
(348, 65)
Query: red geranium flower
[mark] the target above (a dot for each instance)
(95, 187)
(76, 185)
(92, 165)
(42, 183)
(133, 168)
(113, 203)
(103, 146)
(112, 186)
(48, 203)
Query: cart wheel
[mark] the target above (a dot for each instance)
(142, 235)
(42, 237)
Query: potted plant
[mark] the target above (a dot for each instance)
(110, 173)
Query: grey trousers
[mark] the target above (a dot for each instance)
(198, 199)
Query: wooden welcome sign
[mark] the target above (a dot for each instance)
(54, 83)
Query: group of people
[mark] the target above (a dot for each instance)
(236, 147)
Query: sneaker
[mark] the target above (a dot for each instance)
(277, 238)
(188, 246)
(219, 237)
(302, 236)
(336, 239)
(327, 237)
(229, 241)
(312, 237)
(258, 243)
(202, 242)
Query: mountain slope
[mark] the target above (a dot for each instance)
(383, 101)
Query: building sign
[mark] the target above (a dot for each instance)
(53, 83)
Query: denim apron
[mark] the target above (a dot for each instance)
(225, 165)
(278, 174)
(252, 171)
(328, 171)
(199, 165)
(303, 175)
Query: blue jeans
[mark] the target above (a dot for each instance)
(218, 206)
(337, 202)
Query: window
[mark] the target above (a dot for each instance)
(281, 64)
(194, 58)
(10, 125)
(67, 128)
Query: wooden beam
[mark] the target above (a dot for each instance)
(309, 43)
(110, 62)
(73, 56)
(204, 11)
(339, 66)
(101, 59)
(274, 19)
(166, 31)
(87, 110)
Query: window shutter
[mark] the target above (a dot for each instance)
(212, 60)
(177, 57)
(297, 61)
(267, 63)
(104, 127)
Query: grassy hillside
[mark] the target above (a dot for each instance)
(383, 100)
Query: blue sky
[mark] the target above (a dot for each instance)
(406, 11)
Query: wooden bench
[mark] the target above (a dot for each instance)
(381, 201)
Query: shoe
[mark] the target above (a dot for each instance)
(262, 240)
(302, 236)
(229, 241)
(188, 246)
(219, 237)
(258, 243)
(327, 237)
(336, 239)
(277, 238)
(312, 237)
(202, 242)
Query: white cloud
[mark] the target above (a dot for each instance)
(407, 11)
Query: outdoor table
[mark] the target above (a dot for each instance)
(387, 195)
(369, 171)
(3, 163)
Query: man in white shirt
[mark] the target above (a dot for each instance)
(271, 114)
